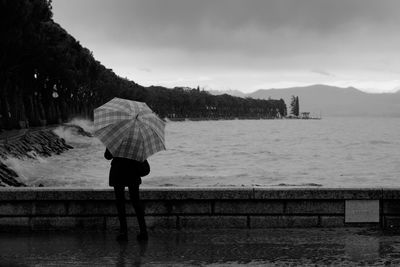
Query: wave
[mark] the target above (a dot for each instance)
(24, 166)
(77, 131)
(380, 142)
(302, 184)
(85, 124)
(32, 168)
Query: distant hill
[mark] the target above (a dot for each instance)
(228, 92)
(335, 101)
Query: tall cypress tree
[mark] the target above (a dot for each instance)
(294, 106)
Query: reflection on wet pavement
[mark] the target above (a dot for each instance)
(271, 247)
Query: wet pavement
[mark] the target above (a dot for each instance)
(271, 247)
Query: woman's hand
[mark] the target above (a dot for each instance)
(108, 155)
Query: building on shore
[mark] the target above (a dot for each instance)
(305, 115)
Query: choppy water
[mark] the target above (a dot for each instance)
(332, 152)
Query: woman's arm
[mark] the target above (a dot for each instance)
(108, 155)
(144, 168)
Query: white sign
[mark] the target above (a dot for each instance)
(362, 211)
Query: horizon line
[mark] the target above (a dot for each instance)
(393, 91)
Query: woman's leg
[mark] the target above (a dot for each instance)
(120, 201)
(139, 210)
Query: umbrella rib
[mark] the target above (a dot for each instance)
(155, 142)
(144, 147)
(113, 136)
(155, 128)
(141, 146)
(112, 125)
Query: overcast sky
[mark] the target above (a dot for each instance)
(241, 44)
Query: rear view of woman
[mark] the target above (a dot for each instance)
(127, 173)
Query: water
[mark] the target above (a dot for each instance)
(212, 248)
(332, 152)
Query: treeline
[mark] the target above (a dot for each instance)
(47, 77)
(194, 103)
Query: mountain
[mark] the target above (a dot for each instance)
(335, 101)
(228, 92)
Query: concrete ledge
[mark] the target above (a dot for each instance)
(317, 193)
(315, 206)
(332, 221)
(178, 208)
(194, 222)
(283, 221)
(248, 207)
(391, 206)
(165, 193)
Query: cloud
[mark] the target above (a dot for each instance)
(145, 69)
(322, 72)
(215, 38)
(278, 26)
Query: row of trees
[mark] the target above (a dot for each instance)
(192, 103)
(47, 77)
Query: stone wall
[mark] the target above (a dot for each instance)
(200, 208)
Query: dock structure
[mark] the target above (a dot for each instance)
(305, 115)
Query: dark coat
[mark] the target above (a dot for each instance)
(126, 172)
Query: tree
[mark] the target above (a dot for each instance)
(294, 105)
(21, 24)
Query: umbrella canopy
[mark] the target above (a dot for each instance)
(129, 129)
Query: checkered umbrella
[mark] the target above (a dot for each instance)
(129, 129)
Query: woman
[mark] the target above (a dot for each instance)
(128, 172)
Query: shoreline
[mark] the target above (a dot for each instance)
(28, 143)
(237, 118)
(218, 119)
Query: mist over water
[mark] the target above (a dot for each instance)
(332, 152)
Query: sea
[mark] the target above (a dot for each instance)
(331, 152)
